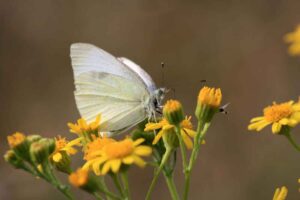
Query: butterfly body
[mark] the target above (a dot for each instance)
(117, 88)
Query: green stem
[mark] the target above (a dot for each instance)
(154, 180)
(118, 184)
(104, 186)
(97, 196)
(54, 181)
(292, 141)
(124, 177)
(110, 195)
(182, 148)
(201, 131)
(172, 187)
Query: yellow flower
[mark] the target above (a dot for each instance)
(209, 100)
(110, 156)
(79, 178)
(16, 139)
(280, 193)
(62, 145)
(210, 96)
(284, 114)
(82, 126)
(186, 130)
(293, 38)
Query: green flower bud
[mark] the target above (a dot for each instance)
(19, 145)
(173, 112)
(11, 158)
(39, 152)
(64, 164)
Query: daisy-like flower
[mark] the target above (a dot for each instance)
(280, 193)
(279, 115)
(110, 154)
(82, 126)
(293, 39)
(62, 145)
(186, 130)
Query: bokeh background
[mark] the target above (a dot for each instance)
(235, 45)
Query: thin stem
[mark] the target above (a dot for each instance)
(110, 195)
(182, 148)
(118, 184)
(172, 187)
(104, 186)
(292, 141)
(124, 177)
(157, 172)
(201, 131)
(97, 196)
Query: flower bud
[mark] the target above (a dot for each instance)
(84, 180)
(19, 145)
(33, 138)
(173, 112)
(209, 100)
(13, 159)
(39, 152)
(49, 143)
(64, 164)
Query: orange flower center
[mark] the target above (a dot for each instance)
(277, 112)
(94, 147)
(119, 149)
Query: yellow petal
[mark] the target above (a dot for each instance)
(87, 165)
(128, 160)
(153, 126)
(187, 141)
(276, 127)
(167, 127)
(258, 125)
(158, 136)
(139, 162)
(296, 116)
(138, 141)
(190, 132)
(105, 168)
(143, 150)
(96, 165)
(115, 165)
(57, 157)
(76, 141)
(284, 121)
(256, 119)
(71, 150)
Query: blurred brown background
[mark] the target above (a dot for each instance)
(235, 45)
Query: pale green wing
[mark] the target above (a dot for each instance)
(121, 102)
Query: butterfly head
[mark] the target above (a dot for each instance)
(159, 95)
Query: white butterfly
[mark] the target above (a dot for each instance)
(117, 88)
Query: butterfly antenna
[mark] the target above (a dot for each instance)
(174, 92)
(162, 74)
